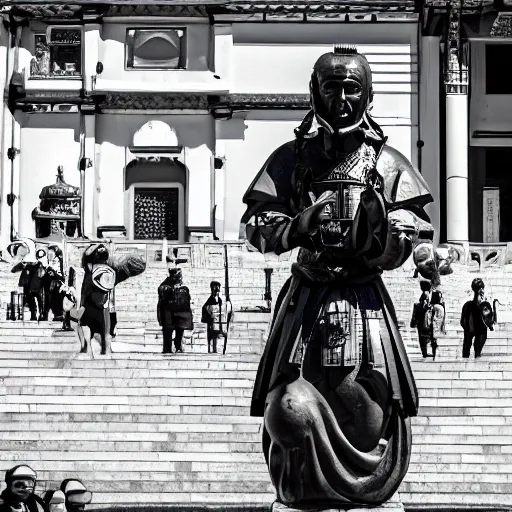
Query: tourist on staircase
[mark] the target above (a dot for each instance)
(472, 322)
(438, 319)
(422, 318)
(18, 496)
(214, 314)
(173, 310)
(53, 281)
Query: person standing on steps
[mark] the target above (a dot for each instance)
(472, 322)
(173, 311)
(19, 495)
(422, 318)
(214, 315)
(438, 319)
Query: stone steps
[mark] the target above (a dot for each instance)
(462, 433)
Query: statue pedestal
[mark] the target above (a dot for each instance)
(393, 505)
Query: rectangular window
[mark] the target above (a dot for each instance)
(57, 54)
(156, 48)
(496, 56)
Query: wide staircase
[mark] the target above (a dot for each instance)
(140, 428)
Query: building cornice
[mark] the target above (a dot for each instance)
(151, 101)
(205, 8)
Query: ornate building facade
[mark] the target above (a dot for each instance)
(161, 115)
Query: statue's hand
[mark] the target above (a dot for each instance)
(311, 217)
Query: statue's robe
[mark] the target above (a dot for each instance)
(334, 435)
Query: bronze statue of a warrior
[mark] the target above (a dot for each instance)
(334, 383)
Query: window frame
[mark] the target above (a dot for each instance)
(156, 68)
(47, 33)
(487, 47)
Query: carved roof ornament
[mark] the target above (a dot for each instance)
(502, 26)
(60, 189)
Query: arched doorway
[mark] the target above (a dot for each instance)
(155, 184)
(155, 199)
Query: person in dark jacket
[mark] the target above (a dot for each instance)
(19, 494)
(472, 322)
(53, 280)
(212, 315)
(173, 311)
(422, 310)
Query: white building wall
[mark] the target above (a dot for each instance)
(114, 133)
(279, 58)
(47, 141)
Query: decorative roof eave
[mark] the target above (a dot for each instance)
(159, 101)
(234, 102)
(239, 102)
(152, 101)
(202, 8)
(313, 7)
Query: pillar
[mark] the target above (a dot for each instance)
(457, 129)
(10, 138)
(219, 181)
(429, 125)
(89, 193)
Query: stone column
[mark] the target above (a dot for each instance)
(89, 181)
(4, 115)
(92, 38)
(429, 125)
(219, 181)
(456, 89)
(10, 131)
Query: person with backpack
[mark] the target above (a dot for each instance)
(438, 319)
(173, 311)
(472, 322)
(422, 317)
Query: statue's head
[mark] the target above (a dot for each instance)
(341, 89)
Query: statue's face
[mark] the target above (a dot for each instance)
(344, 88)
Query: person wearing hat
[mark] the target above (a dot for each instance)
(76, 495)
(18, 496)
(173, 310)
(29, 262)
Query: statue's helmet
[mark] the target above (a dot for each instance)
(341, 89)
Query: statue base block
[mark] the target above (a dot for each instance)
(393, 505)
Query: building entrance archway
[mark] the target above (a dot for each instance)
(155, 199)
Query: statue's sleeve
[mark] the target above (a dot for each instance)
(271, 218)
(409, 230)
(126, 267)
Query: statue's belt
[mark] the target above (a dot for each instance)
(318, 276)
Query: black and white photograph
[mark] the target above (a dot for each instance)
(255, 256)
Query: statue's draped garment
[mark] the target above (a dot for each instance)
(334, 383)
